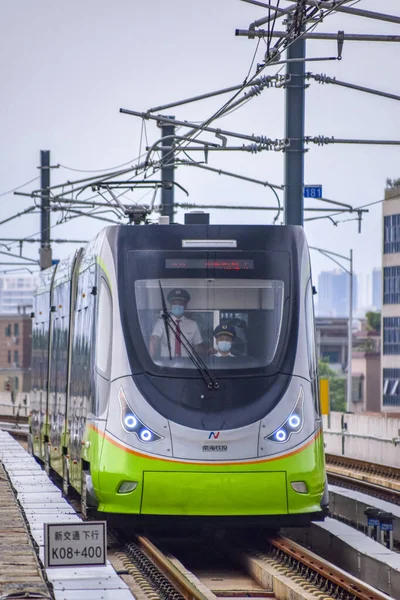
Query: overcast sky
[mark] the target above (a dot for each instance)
(67, 67)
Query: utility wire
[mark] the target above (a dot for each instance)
(19, 187)
(98, 170)
(193, 134)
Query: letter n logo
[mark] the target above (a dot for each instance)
(214, 435)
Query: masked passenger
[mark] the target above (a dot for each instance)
(178, 299)
(224, 336)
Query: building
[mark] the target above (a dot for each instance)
(377, 288)
(332, 341)
(390, 327)
(333, 294)
(16, 294)
(366, 371)
(15, 353)
(364, 295)
(332, 346)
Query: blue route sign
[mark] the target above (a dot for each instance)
(313, 191)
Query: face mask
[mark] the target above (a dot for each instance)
(224, 346)
(177, 310)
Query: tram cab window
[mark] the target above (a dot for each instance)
(248, 311)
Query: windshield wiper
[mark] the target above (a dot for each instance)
(207, 375)
(194, 356)
(165, 317)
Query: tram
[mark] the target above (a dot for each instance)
(174, 374)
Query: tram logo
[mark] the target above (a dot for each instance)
(214, 435)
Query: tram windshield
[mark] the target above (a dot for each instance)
(231, 323)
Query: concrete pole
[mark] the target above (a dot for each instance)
(350, 337)
(167, 170)
(45, 249)
(294, 131)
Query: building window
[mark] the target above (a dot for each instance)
(391, 335)
(9, 357)
(391, 387)
(16, 329)
(16, 357)
(391, 234)
(16, 383)
(391, 285)
(8, 330)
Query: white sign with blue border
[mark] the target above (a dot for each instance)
(75, 544)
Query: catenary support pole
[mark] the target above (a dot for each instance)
(167, 170)
(45, 248)
(294, 154)
(350, 337)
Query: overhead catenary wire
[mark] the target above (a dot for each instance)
(333, 8)
(206, 123)
(19, 187)
(197, 131)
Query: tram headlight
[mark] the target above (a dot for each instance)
(293, 424)
(132, 424)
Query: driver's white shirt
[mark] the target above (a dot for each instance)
(224, 355)
(189, 328)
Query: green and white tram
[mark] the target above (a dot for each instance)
(139, 406)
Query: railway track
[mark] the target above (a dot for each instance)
(183, 569)
(381, 481)
(207, 569)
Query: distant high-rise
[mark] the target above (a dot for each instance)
(333, 293)
(16, 294)
(377, 288)
(390, 327)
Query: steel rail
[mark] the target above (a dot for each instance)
(168, 569)
(336, 576)
(373, 489)
(363, 476)
(358, 589)
(362, 465)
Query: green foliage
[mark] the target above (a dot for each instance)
(337, 386)
(367, 346)
(392, 183)
(374, 321)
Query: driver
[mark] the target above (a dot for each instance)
(224, 336)
(178, 299)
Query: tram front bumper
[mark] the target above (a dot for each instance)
(206, 494)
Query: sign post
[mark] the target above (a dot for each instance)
(81, 544)
(324, 396)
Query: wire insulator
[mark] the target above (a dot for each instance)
(262, 139)
(255, 90)
(320, 140)
(322, 78)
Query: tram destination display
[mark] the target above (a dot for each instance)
(223, 264)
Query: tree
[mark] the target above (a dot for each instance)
(374, 321)
(337, 386)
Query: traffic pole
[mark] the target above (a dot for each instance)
(167, 169)
(294, 132)
(45, 248)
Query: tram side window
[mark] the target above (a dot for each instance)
(82, 357)
(104, 329)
